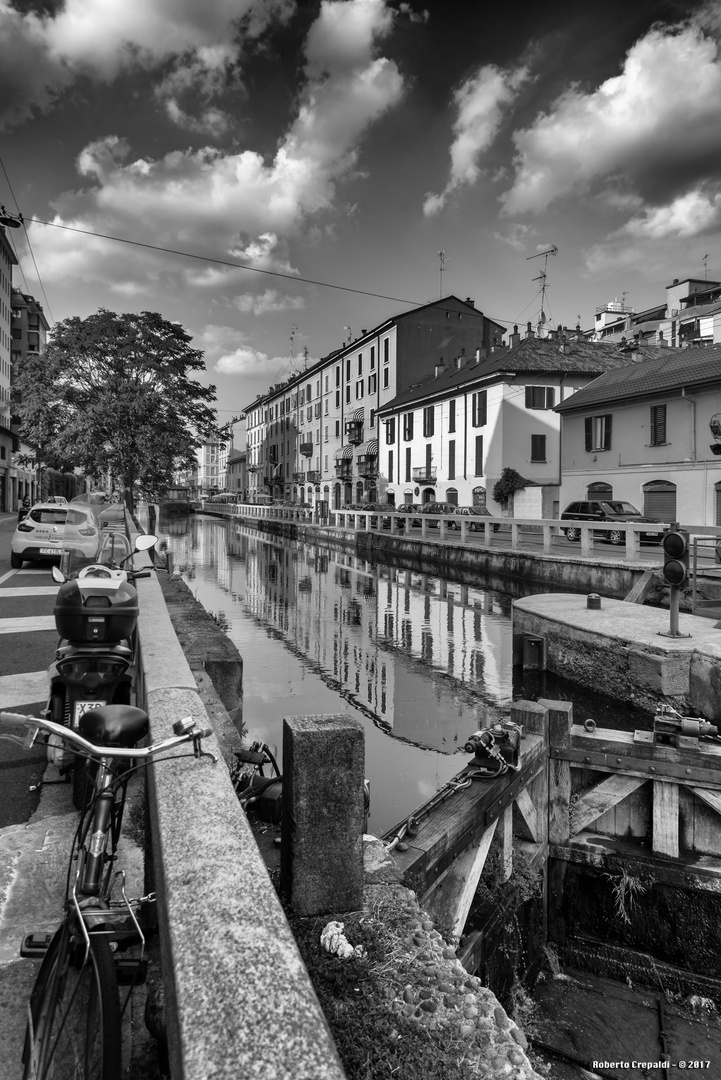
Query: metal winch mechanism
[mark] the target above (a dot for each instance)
(497, 749)
(670, 728)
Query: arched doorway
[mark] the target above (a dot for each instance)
(452, 496)
(336, 496)
(428, 495)
(479, 496)
(359, 492)
(659, 500)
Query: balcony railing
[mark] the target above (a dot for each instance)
(298, 477)
(425, 475)
(344, 470)
(313, 477)
(306, 449)
(354, 431)
(367, 465)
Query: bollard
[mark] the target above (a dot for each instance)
(321, 854)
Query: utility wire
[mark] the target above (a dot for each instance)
(30, 247)
(242, 266)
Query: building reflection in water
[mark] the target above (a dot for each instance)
(424, 660)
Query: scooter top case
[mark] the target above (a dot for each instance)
(94, 609)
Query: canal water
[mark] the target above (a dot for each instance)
(422, 660)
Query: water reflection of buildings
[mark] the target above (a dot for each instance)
(424, 658)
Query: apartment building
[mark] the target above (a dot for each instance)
(689, 315)
(450, 437)
(315, 437)
(649, 434)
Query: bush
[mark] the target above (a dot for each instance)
(510, 482)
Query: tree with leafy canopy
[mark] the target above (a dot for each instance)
(113, 393)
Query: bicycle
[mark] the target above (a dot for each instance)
(75, 1009)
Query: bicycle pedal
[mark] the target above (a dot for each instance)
(34, 946)
(130, 972)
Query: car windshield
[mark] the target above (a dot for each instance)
(48, 516)
(620, 508)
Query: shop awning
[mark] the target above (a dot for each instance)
(357, 416)
(372, 447)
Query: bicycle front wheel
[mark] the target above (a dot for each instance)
(74, 1024)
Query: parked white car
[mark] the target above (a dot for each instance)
(48, 528)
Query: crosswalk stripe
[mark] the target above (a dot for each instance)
(30, 590)
(26, 625)
(23, 689)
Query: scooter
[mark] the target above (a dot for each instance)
(95, 663)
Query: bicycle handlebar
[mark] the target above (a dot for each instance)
(31, 725)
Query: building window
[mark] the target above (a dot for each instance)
(359, 389)
(386, 350)
(372, 420)
(337, 429)
(337, 399)
(658, 425)
(408, 464)
(360, 363)
(538, 447)
(386, 378)
(347, 394)
(428, 417)
(373, 357)
(451, 415)
(540, 397)
(326, 384)
(452, 459)
(326, 433)
(479, 456)
(337, 376)
(326, 406)
(479, 410)
(347, 369)
(372, 384)
(407, 426)
(598, 432)
(390, 466)
(391, 430)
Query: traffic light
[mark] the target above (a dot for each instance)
(675, 557)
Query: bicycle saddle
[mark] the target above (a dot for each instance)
(114, 725)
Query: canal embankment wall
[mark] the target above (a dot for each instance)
(238, 999)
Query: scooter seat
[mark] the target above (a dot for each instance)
(114, 725)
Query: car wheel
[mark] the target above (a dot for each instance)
(615, 536)
(15, 561)
(573, 534)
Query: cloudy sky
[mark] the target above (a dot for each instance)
(339, 145)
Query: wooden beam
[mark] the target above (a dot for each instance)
(560, 724)
(451, 897)
(664, 838)
(528, 814)
(617, 751)
(711, 798)
(505, 829)
(601, 798)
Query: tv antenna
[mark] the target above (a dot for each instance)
(705, 266)
(350, 335)
(543, 278)
(441, 268)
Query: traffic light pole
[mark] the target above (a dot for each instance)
(675, 572)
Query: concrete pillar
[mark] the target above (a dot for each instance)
(321, 855)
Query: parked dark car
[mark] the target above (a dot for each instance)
(410, 508)
(609, 511)
(472, 512)
(439, 509)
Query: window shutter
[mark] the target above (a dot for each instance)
(529, 397)
(483, 408)
(607, 432)
(550, 396)
(588, 424)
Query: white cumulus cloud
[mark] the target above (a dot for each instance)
(479, 103)
(654, 129)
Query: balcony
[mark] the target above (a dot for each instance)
(313, 477)
(298, 477)
(368, 465)
(425, 475)
(354, 431)
(344, 470)
(306, 449)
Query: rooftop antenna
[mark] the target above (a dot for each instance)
(293, 332)
(705, 266)
(542, 277)
(350, 335)
(441, 268)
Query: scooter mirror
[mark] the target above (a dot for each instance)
(142, 543)
(58, 575)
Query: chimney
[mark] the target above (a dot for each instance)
(529, 331)
(461, 360)
(472, 303)
(439, 368)
(660, 339)
(363, 333)
(515, 337)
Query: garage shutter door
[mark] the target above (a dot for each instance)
(718, 504)
(659, 501)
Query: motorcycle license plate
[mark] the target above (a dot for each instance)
(81, 707)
